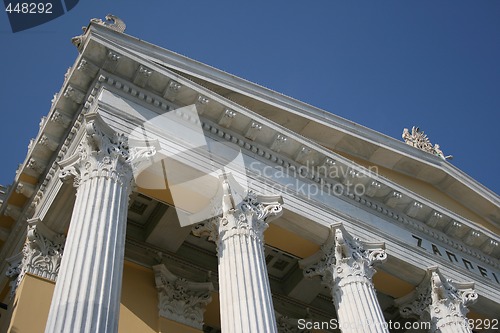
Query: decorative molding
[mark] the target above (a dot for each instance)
(142, 76)
(413, 209)
(278, 143)
(252, 131)
(35, 167)
(172, 89)
(439, 300)
(25, 189)
(250, 217)
(87, 67)
(181, 300)
(303, 155)
(208, 228)
(226, 118)
(60, 118)
(201, 103)
(74, 94)
(112, 60)
(48, 141)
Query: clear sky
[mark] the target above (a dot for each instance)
(383, 64)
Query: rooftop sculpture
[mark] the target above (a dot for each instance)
(419, 139)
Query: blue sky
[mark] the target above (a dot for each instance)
(383, 64)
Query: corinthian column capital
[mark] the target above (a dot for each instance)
(440, 300)
(104, 153)
(181, 300)
(345, 264)
(251, 215)
(41, 255)
(344, 258)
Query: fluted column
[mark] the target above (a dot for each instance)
(87, 295)
(345, 265)
(246, 304)
(440, 301)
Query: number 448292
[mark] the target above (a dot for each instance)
(29, 8)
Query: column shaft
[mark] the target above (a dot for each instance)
(87, 297)
(246, 303)
(87, 292)
(357, 307)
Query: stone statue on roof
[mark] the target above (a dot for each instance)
(419, 139)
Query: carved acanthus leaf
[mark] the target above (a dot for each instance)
(343, 257)
(104, 152)
(181, 300)
(41, 254)
(439, 300)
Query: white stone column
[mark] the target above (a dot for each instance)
(345, 265)
(440, 301)
(87, 295)
(246, 304)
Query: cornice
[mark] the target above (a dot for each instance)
(171, 60)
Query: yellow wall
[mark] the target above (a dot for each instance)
(31, 305)
(138, 310)
(139, 302)
(170, 326)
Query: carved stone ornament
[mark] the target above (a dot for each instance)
(112, 22)
(344, 259)
(41, 254)
(243, 213)
(288, 325)
(105, 153)
(419, 139)
(181, 300)
(438, 300)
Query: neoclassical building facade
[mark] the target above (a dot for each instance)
(164, 195)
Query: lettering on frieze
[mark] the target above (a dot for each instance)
(455, 259)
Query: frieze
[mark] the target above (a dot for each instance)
(455, 259)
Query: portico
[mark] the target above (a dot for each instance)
(188, 200)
